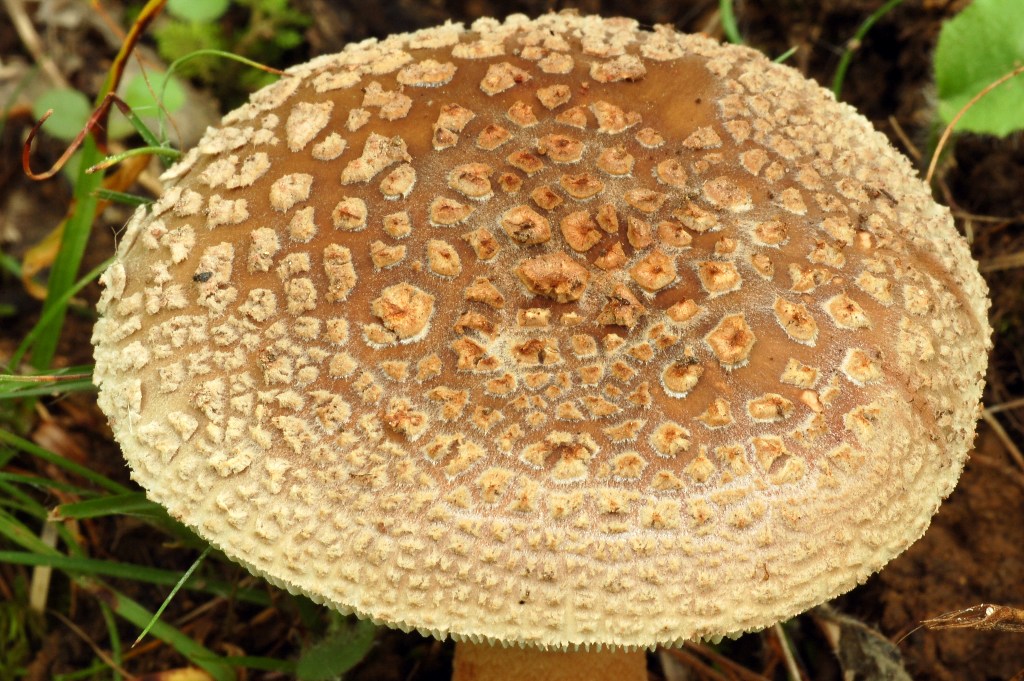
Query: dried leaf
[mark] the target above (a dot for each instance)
(183, 674)
(41, 256)
(863, 653)
(38, 258)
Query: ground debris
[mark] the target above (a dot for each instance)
(863, 652)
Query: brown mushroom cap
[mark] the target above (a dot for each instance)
(556, 332)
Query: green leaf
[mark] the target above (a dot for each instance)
(338, 652)
(142, 94)
(71, 110)
(288, 39)
(175, 39)
(197, 10)
(976, 48)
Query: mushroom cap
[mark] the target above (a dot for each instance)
(556, 332)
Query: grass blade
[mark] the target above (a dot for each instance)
(133, 612)
(21, 535)
(123, 198)
(17, 387)
(54, 313)
(13, 497)
(177, 586)
(69, 257)
(138, 573)
(10, 265)
(35, 450)
(44, 484)
(132, 503)
(786, 55)
(727, 17)
(162, 152)
(112, 634)
(854, 43)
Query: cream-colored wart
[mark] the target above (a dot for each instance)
(524, 339)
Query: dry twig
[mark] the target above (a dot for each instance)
(1004, 437)
(959, 114)
(1010, 261)
(983, 617)
(787, 654)
(39, 589)
(739, 670)
(695, 663)
(993, 219)
(908, 144)
(1006, 406)
(99, 652)
(33, 43)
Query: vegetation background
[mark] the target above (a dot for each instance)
(86, 561)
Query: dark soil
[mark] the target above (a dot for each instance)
(974, 552)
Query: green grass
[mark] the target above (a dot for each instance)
(27, 509)
(731, 31)
(853, 44)
(25, 514)
(24, 518)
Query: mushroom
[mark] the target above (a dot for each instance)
(556, 334)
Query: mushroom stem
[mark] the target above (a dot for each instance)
(484, 662)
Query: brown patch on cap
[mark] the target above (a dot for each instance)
(556, 276)
(404, 309)
(731, 341)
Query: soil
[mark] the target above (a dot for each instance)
(974, 551)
